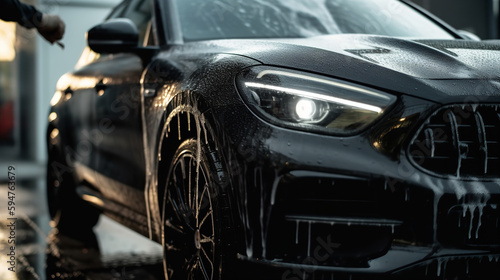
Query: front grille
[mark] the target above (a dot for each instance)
(460, 140)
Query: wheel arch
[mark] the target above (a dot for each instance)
(183, 119)
(189, 120)
(170, 139)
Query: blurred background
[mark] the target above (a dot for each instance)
(30, 68)
(477, 16)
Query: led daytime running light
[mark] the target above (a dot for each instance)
(314, 79)
(316, 96)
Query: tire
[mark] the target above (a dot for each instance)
(68, 212)
(192, 224)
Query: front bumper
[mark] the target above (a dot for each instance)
(448, 264)
(326, 223)
(322, 205)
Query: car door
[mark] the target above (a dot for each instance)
(119, 151)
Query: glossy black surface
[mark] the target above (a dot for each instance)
(118, 35)
(301, 203)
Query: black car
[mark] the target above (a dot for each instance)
(321, 139)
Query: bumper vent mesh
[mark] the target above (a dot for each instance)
(460, 140)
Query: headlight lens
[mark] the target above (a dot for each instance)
(311, 102)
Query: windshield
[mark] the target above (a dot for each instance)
(226, 19)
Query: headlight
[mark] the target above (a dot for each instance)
(311, 102)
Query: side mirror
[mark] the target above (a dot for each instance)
(114, 36)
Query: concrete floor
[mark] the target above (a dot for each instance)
(115, 252)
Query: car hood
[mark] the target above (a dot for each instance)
(426, 59)
(433, 69)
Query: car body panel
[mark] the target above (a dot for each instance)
(255, 151)
(111, 103)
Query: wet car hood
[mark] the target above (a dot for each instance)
(432, 59)
(432, 69)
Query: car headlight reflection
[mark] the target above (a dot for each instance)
(311, 102)
(306, 109)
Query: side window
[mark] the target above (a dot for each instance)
(151, 38)
(140, 13)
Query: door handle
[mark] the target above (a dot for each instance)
(67, 93)
(149, 91)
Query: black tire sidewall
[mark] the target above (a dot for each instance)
(69, 213)
(209, 162)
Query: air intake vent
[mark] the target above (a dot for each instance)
(460, 140)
